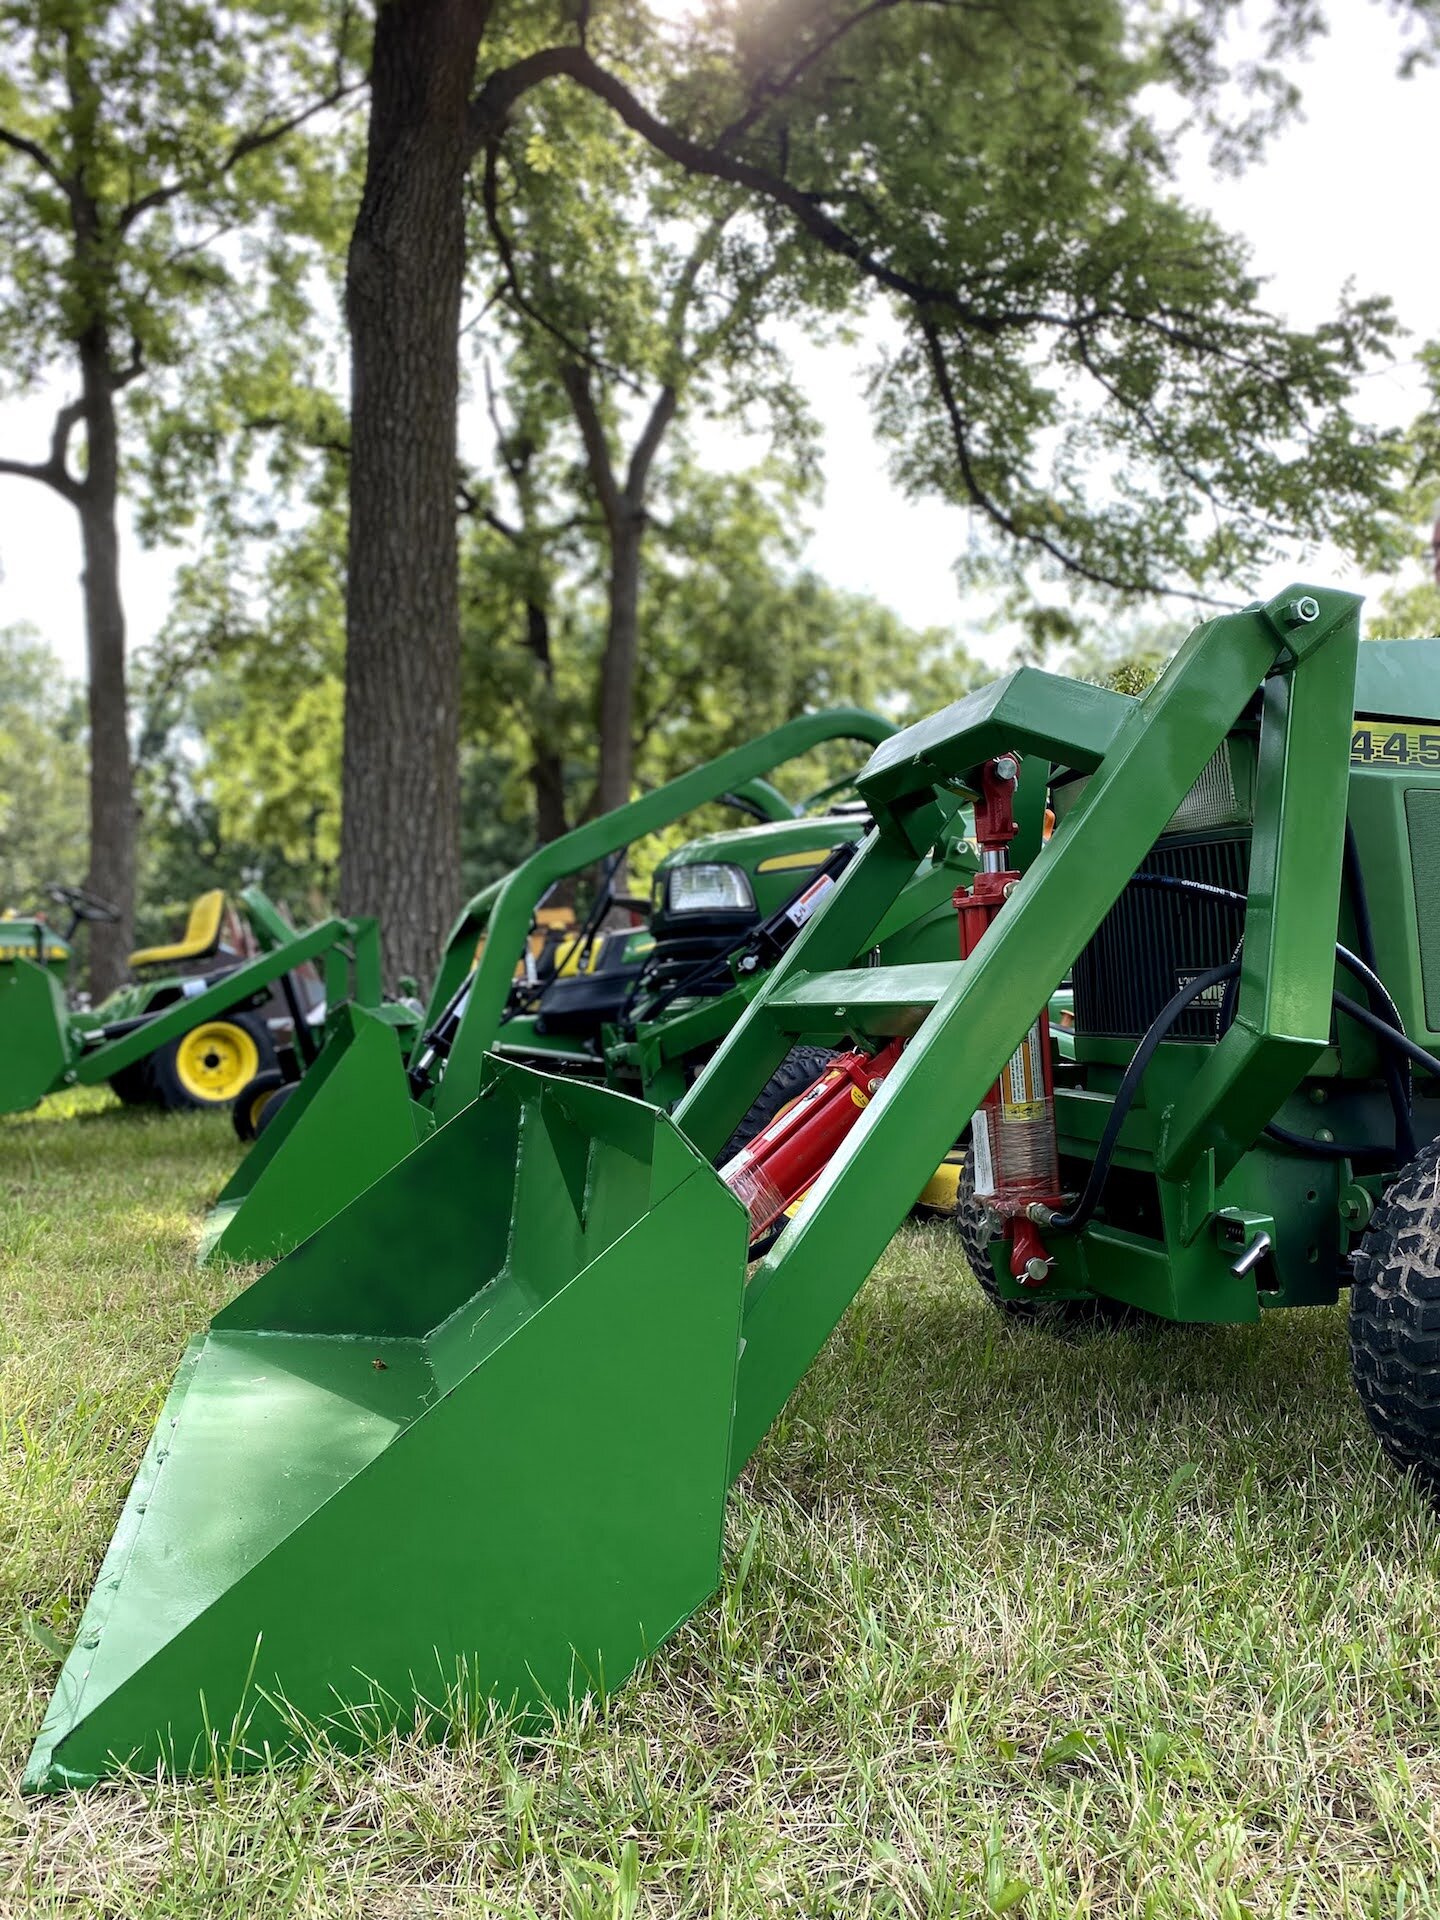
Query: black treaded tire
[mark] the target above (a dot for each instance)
(800, 1068)
(246, 1115)
(972, 1226)
(134, 1084)
(1395, 1320)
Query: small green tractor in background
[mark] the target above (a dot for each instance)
(203, 1016)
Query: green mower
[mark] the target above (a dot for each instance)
(396, 1472)
(204, 1018)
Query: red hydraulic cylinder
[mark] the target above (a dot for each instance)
(784, 1160)
(1013, 1154)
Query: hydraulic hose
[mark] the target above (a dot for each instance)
(1397, 1079)
(1089, 1199)
(1394, 1037)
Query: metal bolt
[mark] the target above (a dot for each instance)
(1035, 1271)
(1323, 1133)
(840, 1012)
(1005, 767)
(1302, 612)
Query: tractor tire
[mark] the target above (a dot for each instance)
(247, 1114)
(1395, 1320)
(134, 1085)
(972, 1227)
(972, 1224)
(800, 1068)
(212, 1064)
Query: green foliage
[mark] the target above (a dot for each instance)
(1086, 362)
(42, 772)
(170, 120)
(243, 702)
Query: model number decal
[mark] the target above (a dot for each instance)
(1375, 743)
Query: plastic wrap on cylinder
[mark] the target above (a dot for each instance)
(755, 1190)
(1014, 1132)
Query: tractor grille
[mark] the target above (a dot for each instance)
(1151, 942)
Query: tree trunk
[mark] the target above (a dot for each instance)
(547, 768)
(112, 798)
(617, 669)
(400, 829)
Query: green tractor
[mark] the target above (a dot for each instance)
(205, 1015)
(635, 997)
(490, 1409)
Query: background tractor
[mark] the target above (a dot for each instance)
(203, 1016)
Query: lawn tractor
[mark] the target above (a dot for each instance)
(203, 1018)
(635, 996)
(396, 1473)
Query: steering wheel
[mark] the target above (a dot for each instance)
(84, 905)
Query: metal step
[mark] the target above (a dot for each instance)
(871, 1000)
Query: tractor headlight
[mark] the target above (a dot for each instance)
(708, 887)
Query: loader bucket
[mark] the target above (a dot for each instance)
(34, 1049)
(349, 1120)
(469, 1441)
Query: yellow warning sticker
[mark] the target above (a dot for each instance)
(1380, 743)
(1022, 1085)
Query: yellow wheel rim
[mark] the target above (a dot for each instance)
(215, 1061)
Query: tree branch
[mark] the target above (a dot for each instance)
(647, 446)
(32, 149)
(54, 472)
(576, 380)
(993, 511)
(258, 138)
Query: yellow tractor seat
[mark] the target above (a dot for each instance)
(200, 939)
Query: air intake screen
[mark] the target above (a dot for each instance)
(1153, 941)
(1422, 817)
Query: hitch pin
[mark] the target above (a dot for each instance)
(1252, 1256)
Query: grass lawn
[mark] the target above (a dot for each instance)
(1127, 1623)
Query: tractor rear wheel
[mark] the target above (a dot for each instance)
(1395, 1320)
(212, 1064)
(800, 1069)
(134, 1084)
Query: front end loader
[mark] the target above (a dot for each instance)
(397, 1469)
(192, 1029)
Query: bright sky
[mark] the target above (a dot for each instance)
(1345, 194)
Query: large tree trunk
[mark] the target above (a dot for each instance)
(112, 799)
(400, 831)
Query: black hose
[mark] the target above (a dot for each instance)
(1089, 1199)
(1398, 1082)
(1394, 1038)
